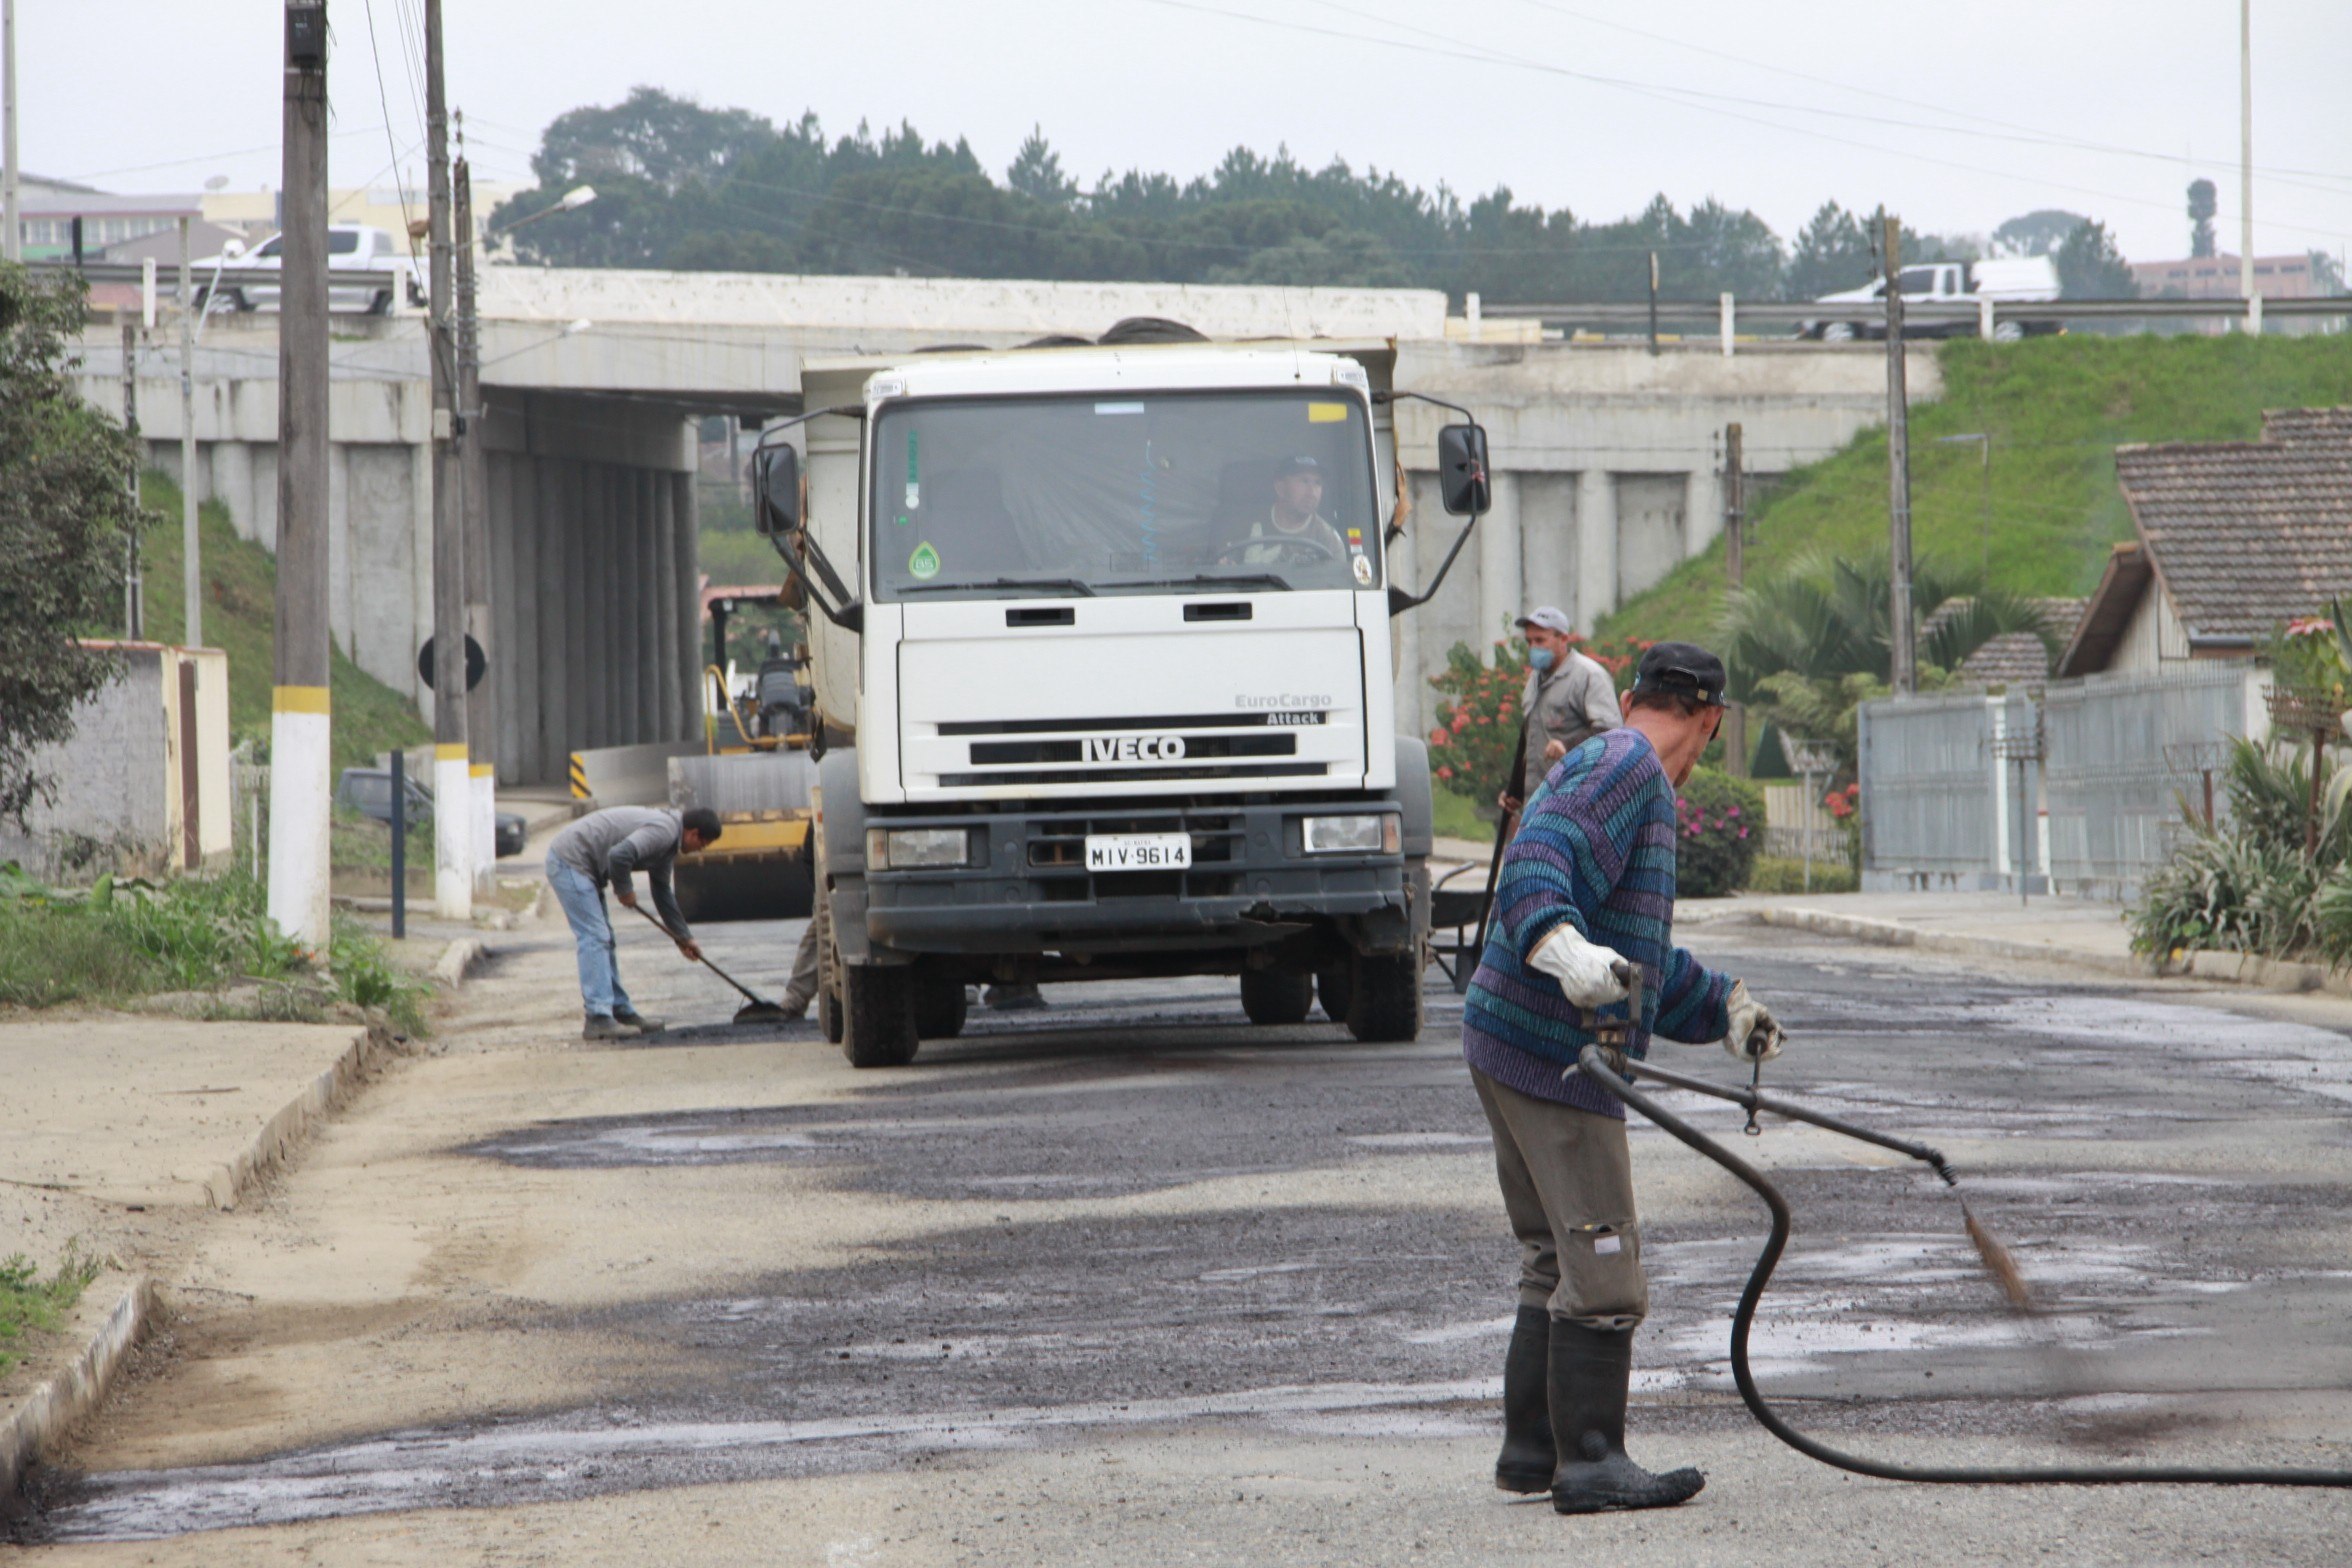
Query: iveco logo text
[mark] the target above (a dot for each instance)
(1286, 700)
(1134, 748)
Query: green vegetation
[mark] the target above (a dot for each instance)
(2252, 885)
(1786, 874)
(31, 1303)
(2055, 408)
(240, 619)
(1456, 817)
(1719, 826)
(682, 186)
(120, 941)
(64, 520)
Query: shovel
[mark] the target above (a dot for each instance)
(757, 1009)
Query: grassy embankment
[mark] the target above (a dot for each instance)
(240, 619)
(2056, 409)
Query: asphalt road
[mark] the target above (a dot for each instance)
(1131, 1281)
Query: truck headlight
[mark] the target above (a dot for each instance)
(917, 849)
(1365, 833)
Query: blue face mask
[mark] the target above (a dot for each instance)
(1540, 658)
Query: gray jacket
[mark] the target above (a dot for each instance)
(1570, 703)
(605, 846)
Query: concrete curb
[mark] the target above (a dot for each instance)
(1891, 933)
(76, 1390)
(279, 1137)
(459, 960)
(2245, 969)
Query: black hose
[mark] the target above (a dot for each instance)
(1595, 1067)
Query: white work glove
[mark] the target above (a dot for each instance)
(1751, 1020)
(1587, 973)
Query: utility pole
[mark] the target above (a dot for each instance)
(1899, 628)
(301, 720)
(191, 549)
(1735, 560)
(453, 831)
(134, 601)
(2246, 151)
(481, 722)
(1653, 302)
(12, 242)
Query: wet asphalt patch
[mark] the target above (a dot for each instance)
(1389, 1321)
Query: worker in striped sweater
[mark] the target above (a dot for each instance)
(1587, 884)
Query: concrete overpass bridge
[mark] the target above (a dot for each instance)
(1608, 457)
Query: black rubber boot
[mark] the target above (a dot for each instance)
(1590, 1369)
(1528, 1459)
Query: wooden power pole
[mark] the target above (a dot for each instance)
(301, 725)
(134, 598)
(191, 548)
(1735, 562)
(1899, 627)
(453, 829)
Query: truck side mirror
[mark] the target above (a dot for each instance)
(1461, 470)
(775, 482)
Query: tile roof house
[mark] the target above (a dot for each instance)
(2232, 538)
(2015, 658)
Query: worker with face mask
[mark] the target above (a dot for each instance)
(1569, 699)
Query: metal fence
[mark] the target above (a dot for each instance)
(2078, 786)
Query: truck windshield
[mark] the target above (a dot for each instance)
(1258, 490)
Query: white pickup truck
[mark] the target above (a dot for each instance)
(351, 247)
(2014, 280)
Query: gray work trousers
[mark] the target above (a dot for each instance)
(804, 966)
(1567, 1180)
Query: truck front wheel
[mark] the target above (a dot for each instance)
(878, 1016)
(1384, 996)
(1276, 996)
(1331, 989)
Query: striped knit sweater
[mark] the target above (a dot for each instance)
(1595, 850)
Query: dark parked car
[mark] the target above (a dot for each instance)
(368, 791)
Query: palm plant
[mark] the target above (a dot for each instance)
(1808, 647)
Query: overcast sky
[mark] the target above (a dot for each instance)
(1956, 113)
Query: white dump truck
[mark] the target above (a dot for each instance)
(1101, 662)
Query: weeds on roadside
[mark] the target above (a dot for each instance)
(28, 1302)
(121, 940)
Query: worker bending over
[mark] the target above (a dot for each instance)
(607, 846)
(1587, 883)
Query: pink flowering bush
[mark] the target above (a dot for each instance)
(1719, 827)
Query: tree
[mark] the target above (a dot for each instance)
(65, 517)
(1808, 647)
(2037, 233)
(1832, 252)
(2201, 209)
(1036, 172)
(2090, 267)
(2327, 274)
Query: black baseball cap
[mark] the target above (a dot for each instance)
(1682, 669)
(1298, 465)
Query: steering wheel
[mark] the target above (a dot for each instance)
(1275, 550)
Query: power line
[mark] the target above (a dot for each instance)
(1450, 47)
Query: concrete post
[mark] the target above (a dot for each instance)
(663, 586)
(648, 675)
(628, 604)
(1596, 548)
(554, 600)
(687, 596)
(1726, 320)
(577, 520)
(1500, 585)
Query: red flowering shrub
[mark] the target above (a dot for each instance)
(1472, 748)
(1719, 823)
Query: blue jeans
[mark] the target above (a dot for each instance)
(583, 906)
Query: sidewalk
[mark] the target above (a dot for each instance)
(118, 1133)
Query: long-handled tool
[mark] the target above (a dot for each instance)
(1613, 1072)
(757, 1009)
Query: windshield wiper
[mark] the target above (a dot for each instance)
(1070, 585)
(1212, 580)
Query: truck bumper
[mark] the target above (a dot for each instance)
(1250, 885)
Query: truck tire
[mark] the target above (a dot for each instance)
(828, 972)
(1384, 990)
(878, 1016)
(1276, 996)
(1331, 989)
(939, 1009)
